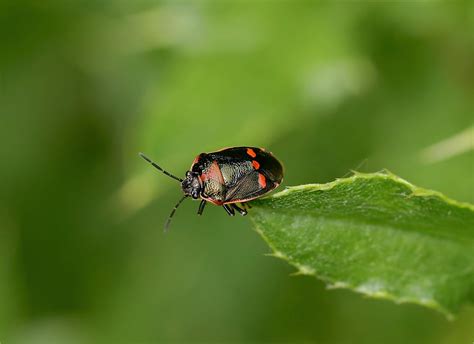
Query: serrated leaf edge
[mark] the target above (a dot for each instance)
(416, 191)
(304, 270)
(361, 289)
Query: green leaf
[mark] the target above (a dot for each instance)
(376, 234)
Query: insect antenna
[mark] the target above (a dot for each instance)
(167, 224)
(158, 167)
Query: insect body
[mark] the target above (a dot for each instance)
(229, 176)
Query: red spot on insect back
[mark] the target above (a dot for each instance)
(251, 152)
(262, 180)
(255, 164)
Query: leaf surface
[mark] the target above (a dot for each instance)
(376, 234)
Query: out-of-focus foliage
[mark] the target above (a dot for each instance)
(86, 85)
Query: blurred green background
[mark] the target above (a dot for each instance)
(85, 85)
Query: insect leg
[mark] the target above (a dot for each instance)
(242, 212)
(229, 210)
(201, 207)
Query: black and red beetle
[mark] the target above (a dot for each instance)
(228, 176)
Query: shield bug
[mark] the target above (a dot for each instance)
(228, 176)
